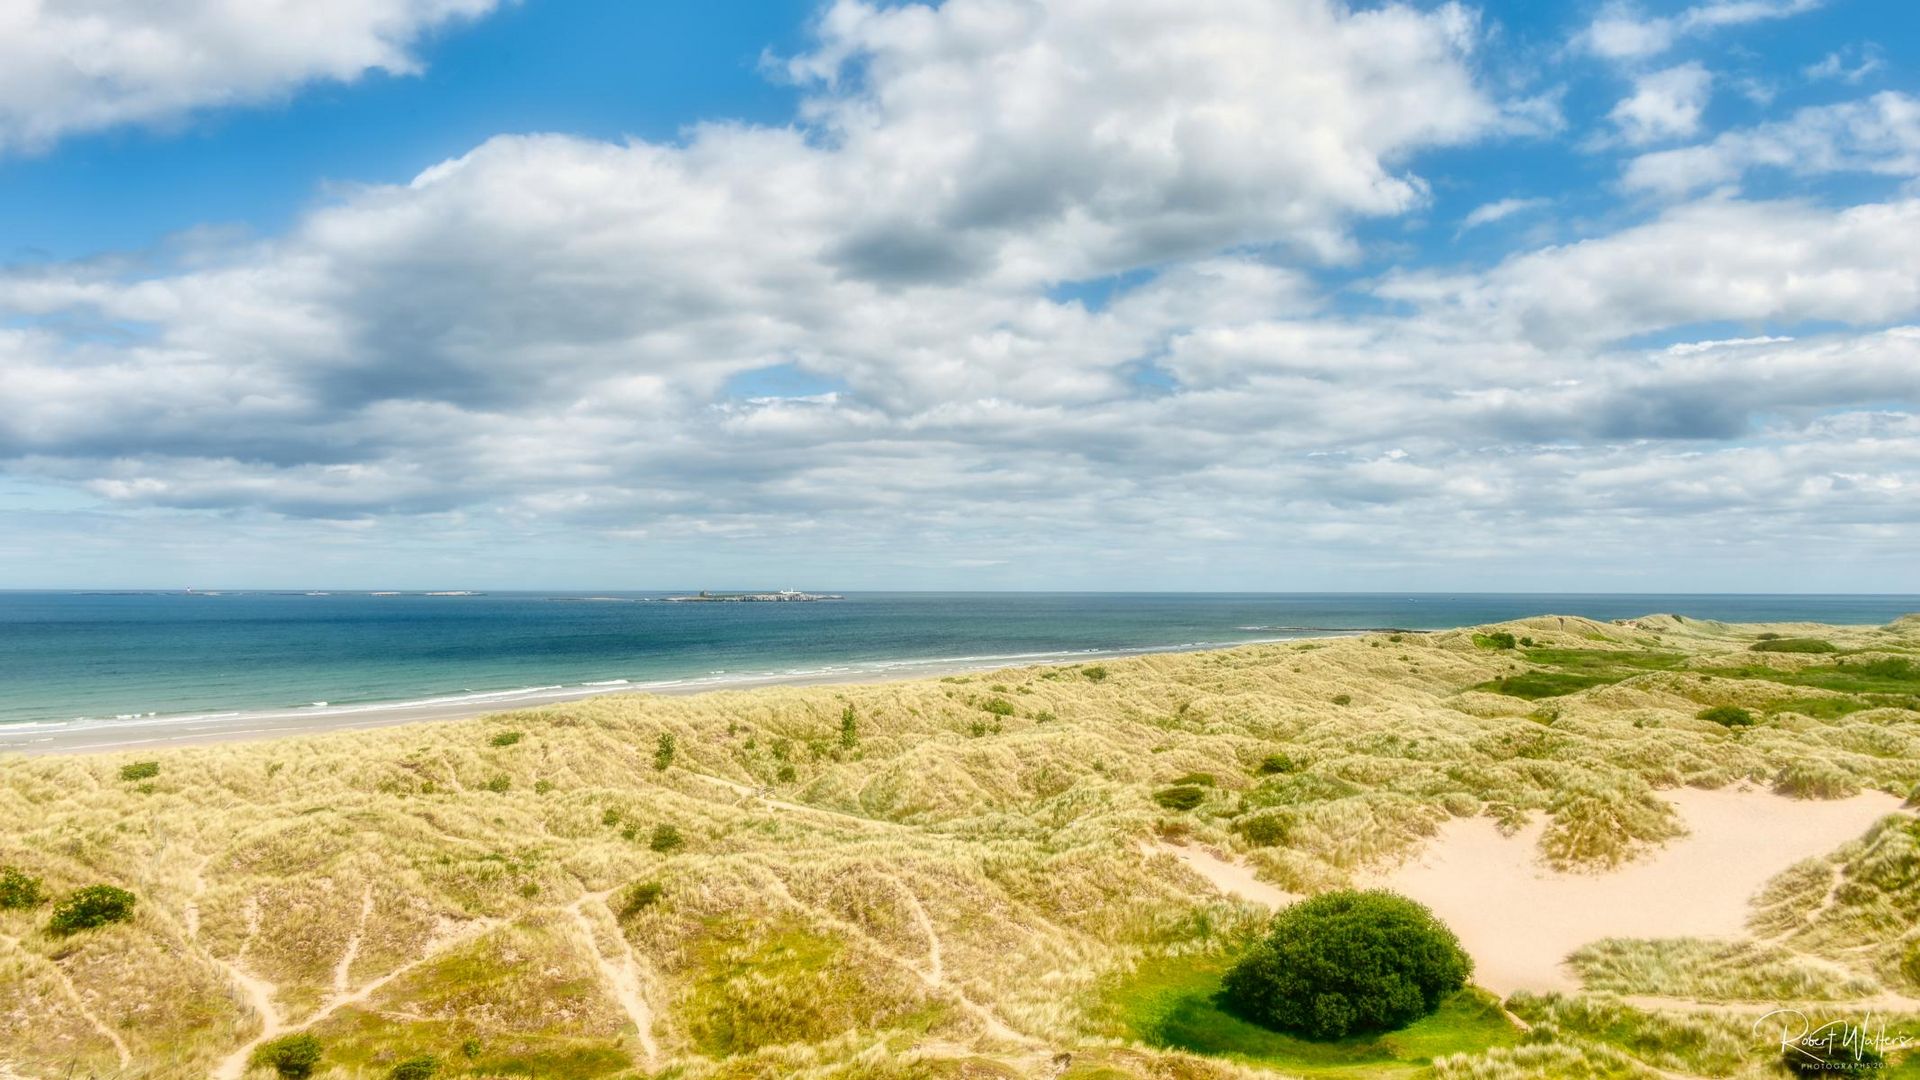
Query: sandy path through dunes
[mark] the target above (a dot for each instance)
(1519, 919)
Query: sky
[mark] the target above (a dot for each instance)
(1236, 295)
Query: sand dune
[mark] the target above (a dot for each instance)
(1520, 919)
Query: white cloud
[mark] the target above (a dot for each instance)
(1499, 210)
(538, 346)
(1878, 135)
(67, 68)
(1850, 65)
(1623, 32)
(1711, 261)
(1664, 104)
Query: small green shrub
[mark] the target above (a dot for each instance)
(1274, 764)
(998, 706)
(641, 897)
(1727, 716)
(1794, 645)
(502, 738)
(415, 1068)
(1267, 829)
(666, 838)
(849, 729)
(1343, 699)
(292, 1056)
(140, 770)
(541, 787)
(1180, 796)
(663, 751)
(786, 775)
(1497, 639)
(471, 1048)
(500, 784)
(19, 889)
(1197, 779)
(1096, 673)
(1347, 962)
(95, 905)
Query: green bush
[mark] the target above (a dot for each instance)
(998, 706)
(140, 770)
(415, 1068)
(1498, 639)
(1095, 673)
(500, 738)
(1265, 829)
(641, 897)
(19, 889)
(849, 729)
(1347, 962)
(1197, 779)
(1274, 764)
(1180, 796)
(500, 784)
(1343, 699)
(786, 775)
(1794, 645)
(1726, 716)
(290, 1055)
(95, 905)
(666, 838)
(663, 751)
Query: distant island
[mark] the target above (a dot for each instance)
(783, 596)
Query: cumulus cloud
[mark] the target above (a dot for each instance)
(1664, 104)
(67, 68)
(1878, 135)
(1714, 260)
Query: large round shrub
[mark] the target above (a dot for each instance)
(1347, 962)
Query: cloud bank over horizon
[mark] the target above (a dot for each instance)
(1025, 294)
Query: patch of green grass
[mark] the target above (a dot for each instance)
(1891, 675)
(1793, 645)
(1171, 1002)
(1534, 685)
(1829, 708)
(1571, 670)
(1604, 661)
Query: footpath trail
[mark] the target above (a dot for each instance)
(621, 973)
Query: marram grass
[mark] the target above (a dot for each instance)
(920, 879)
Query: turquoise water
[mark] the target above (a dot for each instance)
(115, 657)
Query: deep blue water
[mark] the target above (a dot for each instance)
(69, 655)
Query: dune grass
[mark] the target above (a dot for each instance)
(944, 887)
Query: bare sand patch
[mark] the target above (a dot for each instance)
(1520, 919)
(1232, 878)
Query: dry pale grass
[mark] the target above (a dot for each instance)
(947, 896)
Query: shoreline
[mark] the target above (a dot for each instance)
(99, 736)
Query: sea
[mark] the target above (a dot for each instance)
(111, 659)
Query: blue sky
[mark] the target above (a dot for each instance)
(989, 294)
